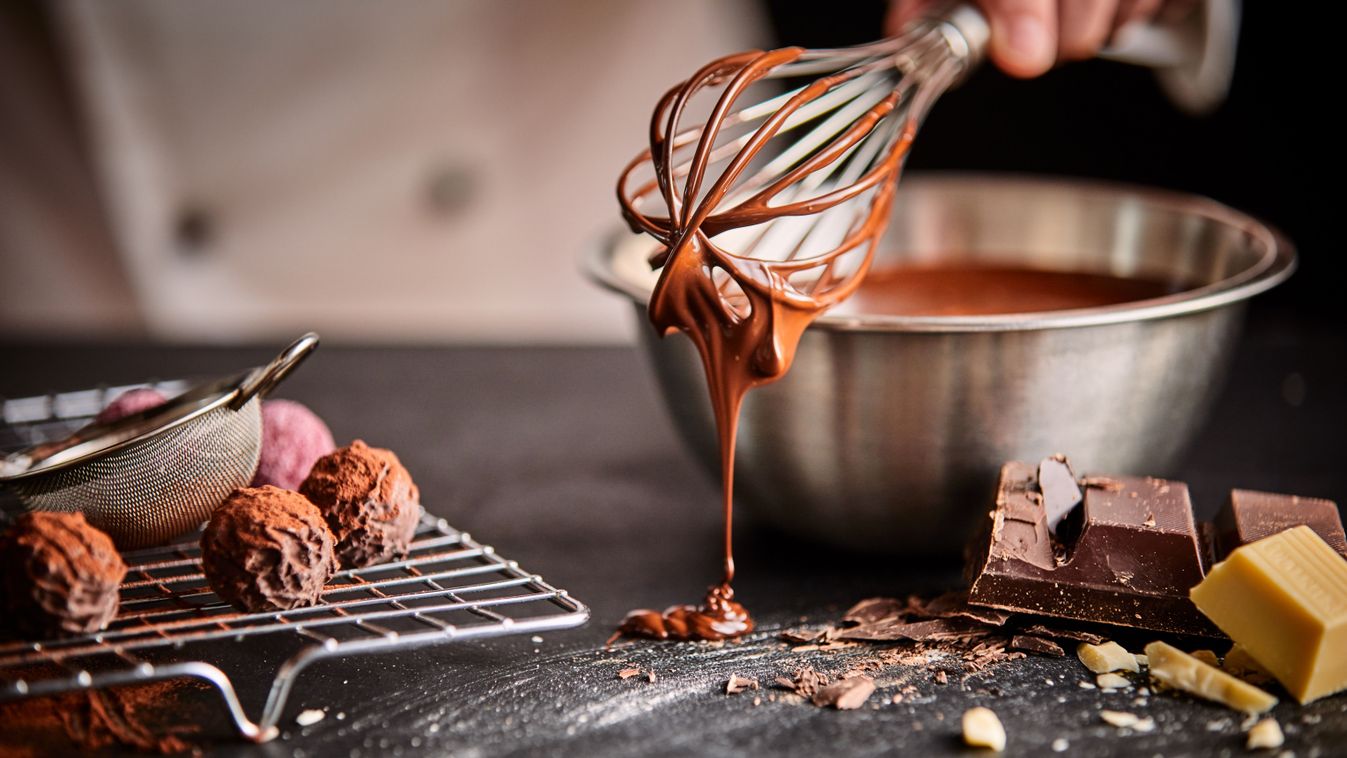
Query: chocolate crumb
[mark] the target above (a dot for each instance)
(941, 677)
(650, 676)
(738, 684)
(845, 694)
(628, 673)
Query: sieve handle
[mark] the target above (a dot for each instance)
(261, 380)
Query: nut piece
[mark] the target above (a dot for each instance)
(1265, 735)
(1112, 682)
(1106, 657)
(1177, 669)
(1124, 720)
(981, 728)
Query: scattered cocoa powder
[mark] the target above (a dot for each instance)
(145, 717)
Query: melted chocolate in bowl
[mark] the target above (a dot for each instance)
(960, 289)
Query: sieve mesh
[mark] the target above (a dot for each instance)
(155, 489)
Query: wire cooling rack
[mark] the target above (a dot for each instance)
(171, 625)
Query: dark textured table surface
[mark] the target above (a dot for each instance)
(563, 459)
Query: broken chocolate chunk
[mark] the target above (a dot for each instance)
(1132, 563)
(1036, 645)
(1249, 516)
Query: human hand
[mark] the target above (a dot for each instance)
(1029, 36)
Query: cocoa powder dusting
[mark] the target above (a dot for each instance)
(151, 718)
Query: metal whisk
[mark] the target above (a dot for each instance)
(151, 476)
(791, 194)
(783, 191)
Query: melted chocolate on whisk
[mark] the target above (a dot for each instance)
(750, 339)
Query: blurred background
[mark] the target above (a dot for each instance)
(409, 171)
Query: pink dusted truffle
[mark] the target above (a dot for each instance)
(293, 439)
(129, 403)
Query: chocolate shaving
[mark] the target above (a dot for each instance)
(918, 631)
(1036, 645)
(805, 681)
(802, 636)
(1059, 633)
(845, 694)
(875, 609)
(955, 605)
(628, 673)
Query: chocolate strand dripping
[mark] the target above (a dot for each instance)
(746, 314)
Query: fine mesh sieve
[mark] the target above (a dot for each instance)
(151, 476)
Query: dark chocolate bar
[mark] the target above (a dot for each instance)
(1125, 554)
(1130, 562)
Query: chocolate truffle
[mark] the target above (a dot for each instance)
(369, 500)
(130, 402)
(58, 576)
(267, 549)
(293, 439)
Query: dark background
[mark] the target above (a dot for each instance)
(1264, 151)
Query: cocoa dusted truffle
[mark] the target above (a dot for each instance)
(58, 576)
(267, 549)
(368, 499)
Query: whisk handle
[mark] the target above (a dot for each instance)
(261, 380)
(1193, 59)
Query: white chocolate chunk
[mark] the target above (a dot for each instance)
(981, 728)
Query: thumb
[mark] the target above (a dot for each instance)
(1023, 35)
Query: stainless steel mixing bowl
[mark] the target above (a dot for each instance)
(888, 431)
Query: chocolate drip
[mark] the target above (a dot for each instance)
(746, 332)
(718, 617)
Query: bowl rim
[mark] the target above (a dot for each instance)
(1276, 264)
